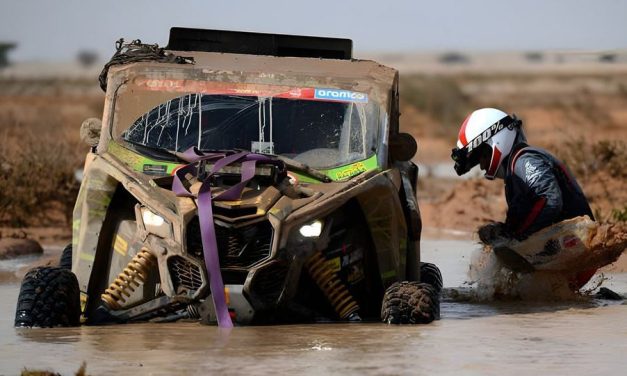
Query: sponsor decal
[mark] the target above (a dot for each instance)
(570, 241)
(341, 95)
(120, 245)
(531, 173)
(352, 170)
(485, 136)
(150, 169)
(334, 264)
(259, 90)
(226, 88)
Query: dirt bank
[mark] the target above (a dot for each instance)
(465, 205)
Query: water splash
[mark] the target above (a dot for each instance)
(493, 281)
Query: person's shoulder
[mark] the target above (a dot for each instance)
(533, 154)
(531, 164)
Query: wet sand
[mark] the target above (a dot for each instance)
(472, 338)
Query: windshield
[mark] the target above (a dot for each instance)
(333, 128)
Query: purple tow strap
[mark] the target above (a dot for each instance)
(197, 161)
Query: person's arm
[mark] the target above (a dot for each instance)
(538, 199)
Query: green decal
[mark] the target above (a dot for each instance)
(140, 163)
(353, 169)
(86, 257)
(149, 166)
(304, 178)
(388, 274)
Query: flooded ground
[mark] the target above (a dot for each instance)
(472, 338)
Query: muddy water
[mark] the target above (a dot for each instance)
(586, 336)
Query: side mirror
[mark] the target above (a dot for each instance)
(90, 131)
(402, 147)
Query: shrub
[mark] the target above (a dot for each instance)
(37, 184)
(585, 158)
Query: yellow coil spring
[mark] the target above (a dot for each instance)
(328, 281)
(135, 274)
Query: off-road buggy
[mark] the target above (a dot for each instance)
(242, 177)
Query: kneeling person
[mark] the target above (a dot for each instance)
(539, 189)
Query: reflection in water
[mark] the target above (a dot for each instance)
(67, 335)
(473, 337)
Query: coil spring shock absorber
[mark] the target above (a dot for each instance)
(130, 278)
(333, 288)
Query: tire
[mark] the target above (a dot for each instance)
(49, 297)
(429, 273)
(410, 303)
(65, 262)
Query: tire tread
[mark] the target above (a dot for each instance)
(49, 297)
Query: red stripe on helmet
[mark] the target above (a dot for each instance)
(462, 132)
(494, 162)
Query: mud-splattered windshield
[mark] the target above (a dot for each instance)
(322, 132)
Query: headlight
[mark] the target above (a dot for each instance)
(156, 224)
(311, 230)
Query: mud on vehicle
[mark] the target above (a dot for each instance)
(243, 177)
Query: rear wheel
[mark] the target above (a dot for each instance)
(65, 262)
(410, 303)
(429, 273)
(49, 297)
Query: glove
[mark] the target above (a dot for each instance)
(490, 232)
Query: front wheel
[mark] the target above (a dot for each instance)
(49, 297)
(410, 303)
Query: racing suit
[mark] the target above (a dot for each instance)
(540, 191)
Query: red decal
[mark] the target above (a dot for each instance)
(570, 241)
(175, 169)
(494, 162)
(227, 88)
(462, 131)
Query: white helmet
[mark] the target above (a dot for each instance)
(486, 127)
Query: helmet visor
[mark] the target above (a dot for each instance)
(465, 160)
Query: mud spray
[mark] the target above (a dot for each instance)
(493, 281)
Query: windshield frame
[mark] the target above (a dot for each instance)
(174, 88)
